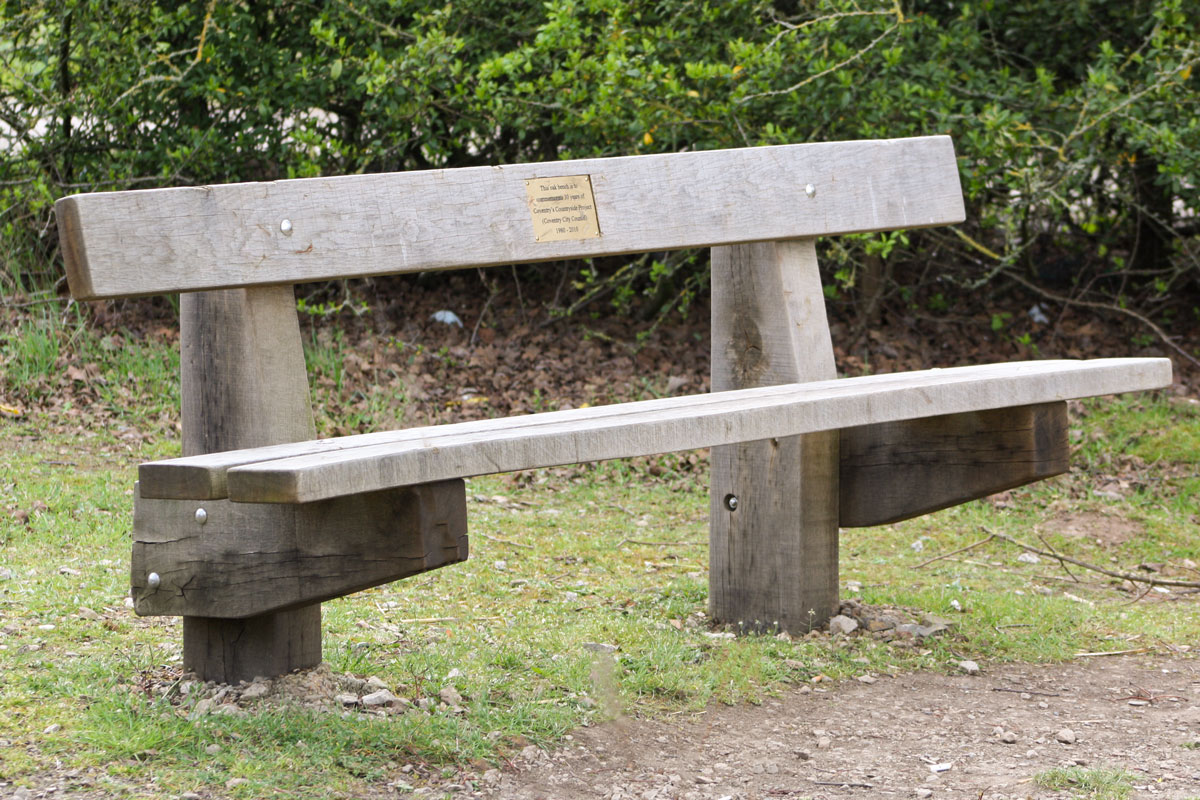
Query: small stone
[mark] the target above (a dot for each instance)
(233, 783)
(190, 796)
(843, 625)
(380, 699)
(87, 613)
(531, 753)
(7, 574)
(425, 703)
(454, 674)
(202, 708)
(1139, 702)
(451, 697)
(1065, 736)
(54, 728)
(229, 710)
(213, 749)
(824, 743)
(492, 777)
(500, 565)
(22, 793)
(256, 690)
(1008, 737)
(943, 767)
(867, 679)
(1028, 558)
(347, 700)
(374, 684)
(924, 791)
(803, 755)
(597, 647)
(969, 667)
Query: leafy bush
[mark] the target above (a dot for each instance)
(1076, 124)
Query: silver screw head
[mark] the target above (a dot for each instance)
(153, 580)
(201, 516)
(286, 227)
(731, 502)
(810, 190)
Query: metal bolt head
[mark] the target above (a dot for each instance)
(153, 580)
(286, 227)
(731, 502)
(201, 516)
(810, 190)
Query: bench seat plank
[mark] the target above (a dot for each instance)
(150, 241)
(310, 471)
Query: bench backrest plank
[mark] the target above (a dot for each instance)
(154, 241)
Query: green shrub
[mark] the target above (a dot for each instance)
(1075, 124)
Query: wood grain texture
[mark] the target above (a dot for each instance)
(250, 559)
(899, 470)
(184, 239)
(310, 471)
(266, 645)
(243, 381)
(773, 557)
(243, 384)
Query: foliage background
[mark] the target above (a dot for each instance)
(1076, 123)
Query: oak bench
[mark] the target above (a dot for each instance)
(258, 521)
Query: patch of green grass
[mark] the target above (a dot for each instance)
(1087, 782)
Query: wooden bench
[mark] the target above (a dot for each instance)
(259, 522)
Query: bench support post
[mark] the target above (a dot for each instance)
(244, 384)
(774, 503)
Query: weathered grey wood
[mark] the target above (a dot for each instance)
(250, 559)
(903, 469)
(183, 239)
(773, 546)
(243, 384)
(311, 471)
(243, 380)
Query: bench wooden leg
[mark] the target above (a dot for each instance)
(244, 384)
(774, 503)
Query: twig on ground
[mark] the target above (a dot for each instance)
(1125, 576)
(503, 541)
(422, 620)
(1025, 691)
(1061, 563)
(955, 552)
(1149, 589)
(1115, 652)
(624, 542)
(1148, 696)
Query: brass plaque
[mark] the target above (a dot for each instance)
(562, 208)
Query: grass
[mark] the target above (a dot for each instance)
(613, 553)
(1091, 783)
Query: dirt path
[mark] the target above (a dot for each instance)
(917, 735)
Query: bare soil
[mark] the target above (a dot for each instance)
(913, 735)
